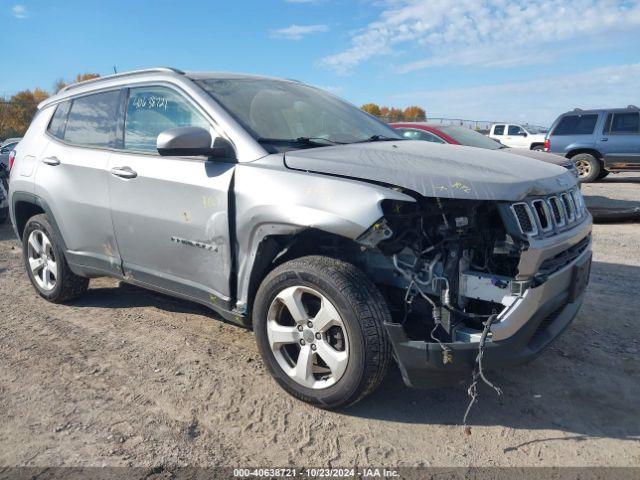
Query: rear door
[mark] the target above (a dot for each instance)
(170, 214)
(73, 177)
(620, 141)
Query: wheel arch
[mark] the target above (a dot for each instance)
(536, 144)
(591, 151)
(280, 247)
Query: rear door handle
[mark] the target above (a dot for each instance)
(123, 172)
(51, 161)
(604, 139)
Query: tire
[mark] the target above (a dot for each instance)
(603, 173)
(588, 167)
(40, 245)
(538, 148)
(4, 213)
(361, 312)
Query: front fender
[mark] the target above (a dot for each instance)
(272, 202)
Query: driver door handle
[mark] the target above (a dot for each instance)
(53, 161)
(604, 139)
(123, 172)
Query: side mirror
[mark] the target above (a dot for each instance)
(192, 141)
(524, 134)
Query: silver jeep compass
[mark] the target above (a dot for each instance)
(285, 209)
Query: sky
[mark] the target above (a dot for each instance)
(502, 60)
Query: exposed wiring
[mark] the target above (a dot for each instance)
(479, 372)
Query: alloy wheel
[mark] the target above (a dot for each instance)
(42, 260)
(308, 337)
(584, 168)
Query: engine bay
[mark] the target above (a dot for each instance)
(445, 266)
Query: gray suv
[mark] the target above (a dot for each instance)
(287, 210)
(598, 141)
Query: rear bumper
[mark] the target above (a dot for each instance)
(523, 330)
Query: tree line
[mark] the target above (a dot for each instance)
(393, 114)
(17, 111)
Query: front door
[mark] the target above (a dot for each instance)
(620, 141)
(516, 137)
(170, 214)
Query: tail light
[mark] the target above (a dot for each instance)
(547, 145)
(12, 158)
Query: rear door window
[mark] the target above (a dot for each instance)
(59, 120)
(152, 110)
(498, 130)
(92, 120)
(625, 123)
(576, 125)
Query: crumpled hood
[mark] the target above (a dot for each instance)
(433, 170)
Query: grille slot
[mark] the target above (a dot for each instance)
(525, 218)
(569, 208)
(556, 208)
(542, 212)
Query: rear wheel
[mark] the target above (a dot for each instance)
(319, 325)
(539, 147)
(46, 265)
(588, 167)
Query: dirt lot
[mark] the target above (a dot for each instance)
(128, 377)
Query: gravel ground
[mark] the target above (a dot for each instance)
(128, 377)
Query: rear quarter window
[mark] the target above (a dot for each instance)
(576, 125)
(59, 120)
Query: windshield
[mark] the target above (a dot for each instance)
(470, 138)
(283, 114)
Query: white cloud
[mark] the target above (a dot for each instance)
(538, 101)
(296, 32)
(481, 32)
(19, 11)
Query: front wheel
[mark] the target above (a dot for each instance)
(319, 326)
(588, 166)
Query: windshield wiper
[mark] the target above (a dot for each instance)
(315, 141)
(380, 138)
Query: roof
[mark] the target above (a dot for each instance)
(120, 78)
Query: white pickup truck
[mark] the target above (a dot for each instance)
(517, 136)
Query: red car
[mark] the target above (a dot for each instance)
(456, 135)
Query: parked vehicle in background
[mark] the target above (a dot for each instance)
(5, 150)
(598, 141)
(285, 209)
(456, 135)
(518, 136)
(4, 201)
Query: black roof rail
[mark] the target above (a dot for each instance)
(120, 75)
(632, 107)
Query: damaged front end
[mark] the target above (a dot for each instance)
(446, 266)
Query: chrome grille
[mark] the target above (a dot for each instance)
(543, 215)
